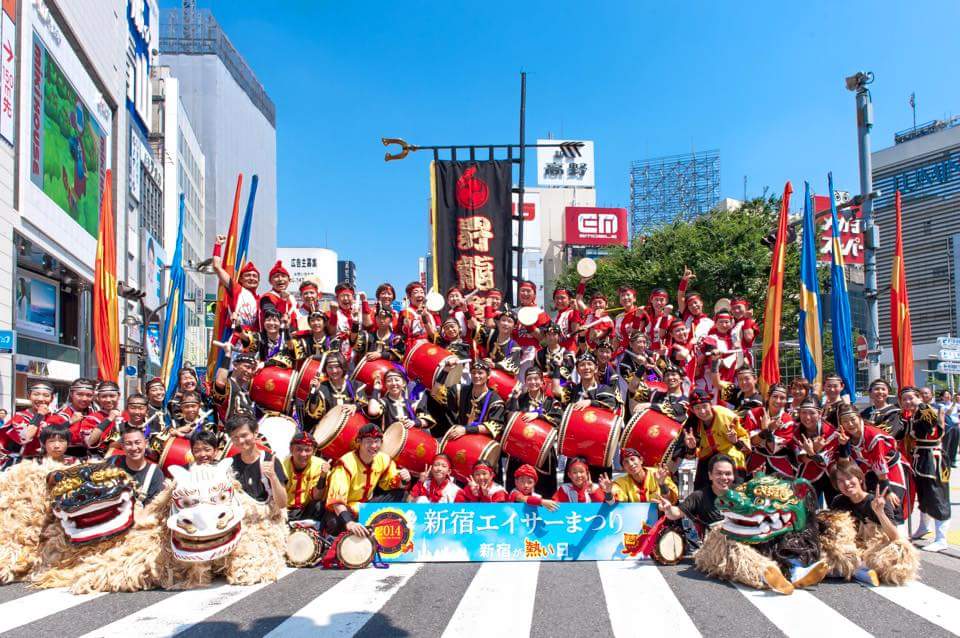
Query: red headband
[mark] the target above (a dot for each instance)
(344, 287)
(306, 283)
(526, 470)
(249, 267)
(560, 290)
(413, 285)
(740, 301)
(723, 313)
(658, 293)
(572, 463)
(278, 269)
(528, 284)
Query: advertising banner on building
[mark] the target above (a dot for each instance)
(851, 231)
(471, 223)
(8, 68)
(531, 220)
(154, 259)
(554, 168)
(591, 226)
(426, 532)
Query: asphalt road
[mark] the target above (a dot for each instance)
(498, 599)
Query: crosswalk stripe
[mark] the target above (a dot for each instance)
(500, 599)
(923, 600)
(178, 612)
(346, 607)
(663, 614)
(32, 607)
(801, 614)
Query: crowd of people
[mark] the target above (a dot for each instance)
(691, 367)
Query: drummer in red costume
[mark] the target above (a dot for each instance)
(580, 489)
(457, 308)
(481, 487)
(772, 431)
(815, 447)
(416, 322)
(690, 307)
(672, 402)
(437, 486)
(309, 303)
(385, 295)
(629, 319)
(722, 331)
(681, 348)
(525, 479)
(21, 432)
(344, 320)
(655, 318)
(242, 299)
(599, 322)
(278, 297)
(642, 484)
(469, 408)
(567, 318)
(104, 419)
(529, 337)
(81, 400)
(744, 329)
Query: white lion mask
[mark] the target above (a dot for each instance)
(205, 513)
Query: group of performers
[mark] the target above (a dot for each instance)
(354, 383)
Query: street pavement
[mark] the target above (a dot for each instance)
(498, 600)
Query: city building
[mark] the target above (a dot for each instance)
(72, 54)
(346, 272)
(924, 165)
(234, 120)
(183, 162)
(665, 189)
(319, 264)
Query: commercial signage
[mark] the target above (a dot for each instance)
(318, 264)
(850, 221)
(425, 532)
(8, 341)
(949, 355)
(589, 226)
(921, 179)
(37, 311)
(951, 343)
(8, 69)
(531, 220)
(154, 258)
(949, 367)
(556, 168)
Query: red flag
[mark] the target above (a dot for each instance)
(900, 333)
(106, 325)
(770, 366)
(222, 312)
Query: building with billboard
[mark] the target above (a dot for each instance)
(347, 272)
(665, 189)
(319, 264)
(234, 120)
(924, 165)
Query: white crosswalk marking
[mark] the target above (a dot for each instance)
(663, 615)
(801, 614)
(32, 607)
(347, 606)
(500, 599)
(923, 600)
(178, 612)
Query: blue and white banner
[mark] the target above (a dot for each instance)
(424, 532)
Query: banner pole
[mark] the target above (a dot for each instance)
(523, 121)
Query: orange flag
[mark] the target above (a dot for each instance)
(900, 333)
(106, 325)
(770, 365)
(221, 318)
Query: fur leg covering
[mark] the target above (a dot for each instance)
(24, 511)
(727, 559)
(260, 555)
(838, 542)
(896, 563)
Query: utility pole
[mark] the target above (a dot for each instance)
(871, 236)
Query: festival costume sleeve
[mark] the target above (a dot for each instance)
(498, 497)
(339, 485)
(552, 411)
(495, 416)
(316, 405)
(560, 496)
(621, 491)
(605, 397)
(389, 478)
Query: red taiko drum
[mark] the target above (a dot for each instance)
(501, 382)
(336, 434)
(272, 388)
(652, 434)
(311, 369)
(424, 362)
(176, 451)
(531, 442)
(368, 371)
(467, 450)
(411, 448)
(592, 433)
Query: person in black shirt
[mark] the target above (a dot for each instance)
(147, 475)
(700, 506)
(260, 473)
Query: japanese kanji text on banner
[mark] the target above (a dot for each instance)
(470, 217)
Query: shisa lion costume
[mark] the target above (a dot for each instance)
(768, 530)
(849, 545)
(82, 530)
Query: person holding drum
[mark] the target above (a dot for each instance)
(395, 406)
(529, 335)
(567, 319)
(306, 479)
(815, 448)
(437, 486)
(556, 361)
(354, 478)
(416, 321)
(336, 389)
(191, 418)
(711, 430)
(642, 484)
(580, 489)
(535, 404)
(231, 389)
(469, 408)
(525, 479)
(772, 431)
(481, 486)
(259, 472)
(597, 324)
(589, 391)
(314, 343)
(497, 345)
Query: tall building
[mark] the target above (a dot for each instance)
(177, 145)
(346, 272)
(665, 189)
(235, 122)
(924, 165)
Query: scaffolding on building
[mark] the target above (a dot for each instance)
(665, 189)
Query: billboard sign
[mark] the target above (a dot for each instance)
(154, 259)
(38, 306)
(554, 168)
(851, 231)
(591, 226)
(8, 68)
(531, 220)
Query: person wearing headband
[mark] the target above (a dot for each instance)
(187, 381)
(722, 333)
(525, 478)
(417, 323)
(391, 403)
(673, 401)
(345, 319)
(534, 403)
(231, 389)
(690, 307)
(815, 447)
(482, 486)
(451, 338)
(881, 413)
(435, 486)
(772, 431)
(497, 345)
(637, 366)
(72, 414)
(103, 420)
(711, 430)
(355, 476)
(607, 372)
(629, 320)
(20, 435)
(744, 395)
(193, 416)
(555, 361)
(468, 408)
(589, 391)
(655, 318)
(744, 329)
(306, 479)
(383, 342)
(833, 398)
(315, 342)
(597, 324)
(270, 340)
(642, 484)
(331, 389)
(876, 453)
(567, 319)
(529, 337)
(580, 489)
(309, 303)
(457, 308)
(156, 393)
(242, 299)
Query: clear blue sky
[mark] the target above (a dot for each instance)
(759, 81)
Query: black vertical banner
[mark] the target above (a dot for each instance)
(472, 225)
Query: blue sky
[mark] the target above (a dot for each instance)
(760, 81)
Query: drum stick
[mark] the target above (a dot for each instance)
(152, 417)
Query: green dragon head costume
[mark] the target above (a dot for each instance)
(764, 508)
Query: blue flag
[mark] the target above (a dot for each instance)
(811, 324)
(243, 245)
(175, 322)
(840, 322)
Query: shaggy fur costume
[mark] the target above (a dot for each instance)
(259, 556)
(727, 559)
(846, 547)
(24, 510)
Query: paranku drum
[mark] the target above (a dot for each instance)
(652, 434)
(591, 433)
(467, 450)
(278, 429)
(311, 369)
(412, 448)
(354, 552)
(305, 547)
(336, 434)
(176, 451)
(669, 547)
(532, 442)
(424, 362)
(368, 371)
(501, 382)
(272, 388)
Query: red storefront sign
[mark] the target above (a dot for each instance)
(589, 226)
(851, 231)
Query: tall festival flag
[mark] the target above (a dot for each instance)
(770, 365)
(106, 333)
(243, 246)
(901, 336)
(174, 323)
(811, 325)
(840, 323)
(221, 321)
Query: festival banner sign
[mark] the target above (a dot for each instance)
(471, 222)
(468, 532)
